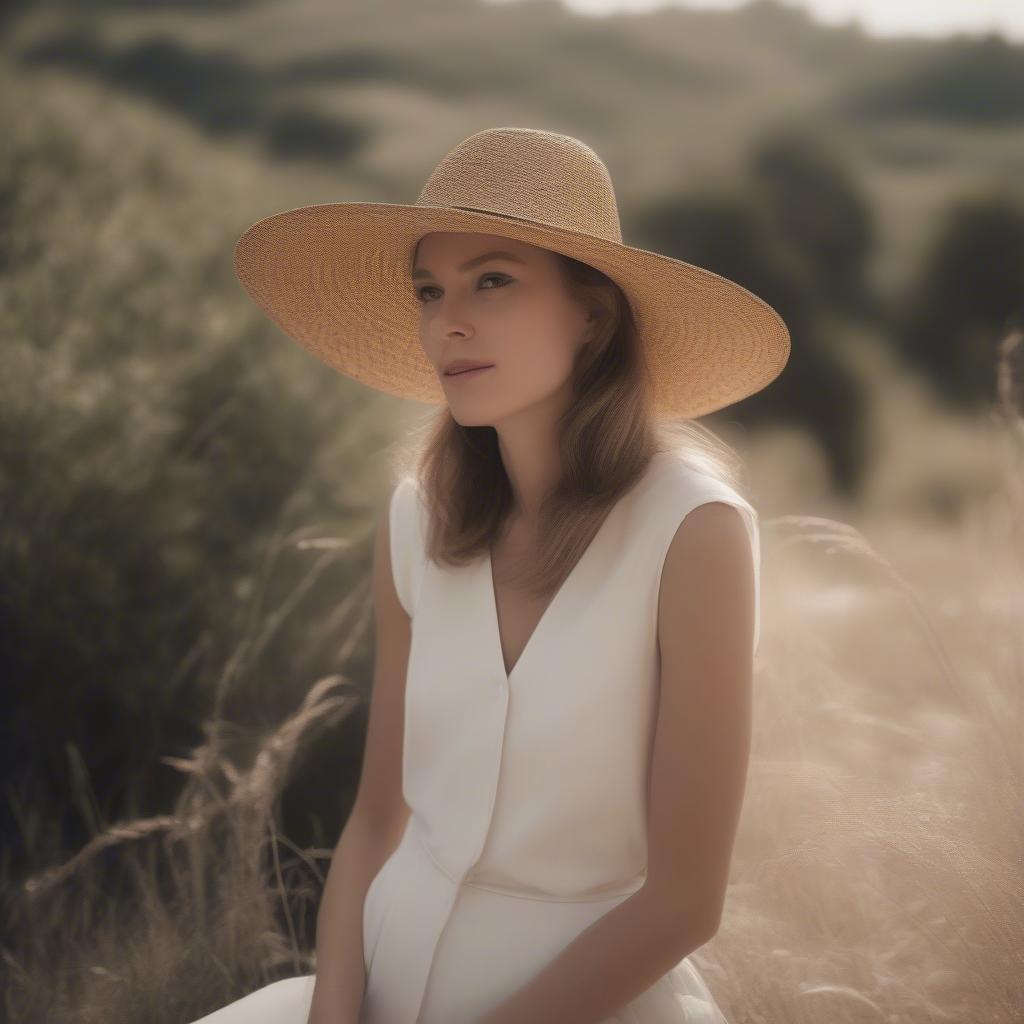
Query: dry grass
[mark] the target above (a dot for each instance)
(878, 872)
(877, 876)
(162, 919)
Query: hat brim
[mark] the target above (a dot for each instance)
(335, 278)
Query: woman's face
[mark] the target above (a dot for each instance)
(511, 311)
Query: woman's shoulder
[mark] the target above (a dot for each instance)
(678, 482)
(407, 528)
(681, 487)
(407, 497)
(408, 512)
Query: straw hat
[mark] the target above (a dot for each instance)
(336, 277)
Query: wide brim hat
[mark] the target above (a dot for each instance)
(336, 277)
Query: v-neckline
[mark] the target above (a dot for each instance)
(494, 640)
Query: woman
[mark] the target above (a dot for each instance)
(565, 591)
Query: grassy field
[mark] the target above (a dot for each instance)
(188, 498)
(876, 876)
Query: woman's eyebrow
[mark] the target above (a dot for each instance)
(469, 264)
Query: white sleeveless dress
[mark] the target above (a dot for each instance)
(528, 789)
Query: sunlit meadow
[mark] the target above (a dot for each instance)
(877, 874)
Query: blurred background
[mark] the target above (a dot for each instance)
(187, 498)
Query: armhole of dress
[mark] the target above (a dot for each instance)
(404, 530)
(752, 522)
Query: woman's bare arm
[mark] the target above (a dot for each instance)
(378, 815)
(697, 778)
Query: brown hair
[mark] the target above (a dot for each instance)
(607, 437)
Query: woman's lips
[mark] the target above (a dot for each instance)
(464, 374)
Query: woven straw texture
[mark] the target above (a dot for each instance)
(335, 277)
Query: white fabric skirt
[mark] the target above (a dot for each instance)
(437, 952)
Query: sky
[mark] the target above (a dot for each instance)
(878, 17)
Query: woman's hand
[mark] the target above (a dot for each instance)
(328, 1008)
(317, 1015)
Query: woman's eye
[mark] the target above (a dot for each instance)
(501, 278)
